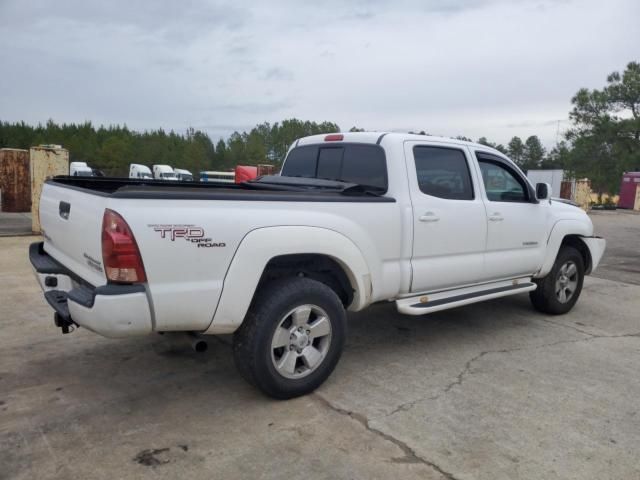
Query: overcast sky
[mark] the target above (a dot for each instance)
(460, 67)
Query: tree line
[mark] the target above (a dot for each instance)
(111, 149)
(602, 142)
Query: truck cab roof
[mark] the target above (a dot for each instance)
(383, 137)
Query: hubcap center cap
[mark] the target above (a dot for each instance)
(300, 340)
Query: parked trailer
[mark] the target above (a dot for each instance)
(630, 181)
(224, 177)
(245, 173)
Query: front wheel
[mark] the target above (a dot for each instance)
(292, 337)
(558, 292)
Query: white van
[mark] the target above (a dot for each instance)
(139, 171)
(183, 175)
(80, 169)
(164, 172)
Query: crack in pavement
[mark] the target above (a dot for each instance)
(564, 325)
(410, 456)
(467, 367)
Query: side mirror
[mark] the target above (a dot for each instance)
(543, 191)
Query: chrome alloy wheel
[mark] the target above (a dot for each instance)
(301, 341)
(566, 281)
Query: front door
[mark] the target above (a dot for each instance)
(449, 219)
(517, 224)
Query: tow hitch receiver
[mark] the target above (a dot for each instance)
(58, 301)
(62, 322)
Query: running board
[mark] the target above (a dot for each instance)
(433, 302)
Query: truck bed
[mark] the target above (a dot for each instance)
(160, 189)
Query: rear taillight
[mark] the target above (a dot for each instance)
(120, 254)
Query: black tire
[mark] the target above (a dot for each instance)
(252, 342)
(544, 298)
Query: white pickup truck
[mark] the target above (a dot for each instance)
(356, 218)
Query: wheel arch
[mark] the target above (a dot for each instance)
(316, 266)
(274, 252)
(572, 233)
(576, 241)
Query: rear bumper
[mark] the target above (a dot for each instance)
(113, 311)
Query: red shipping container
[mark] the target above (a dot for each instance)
(630, 180)
(245, 173)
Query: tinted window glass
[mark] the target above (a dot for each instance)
(443, 173)
(500, 184)
(301, 162)
(329, 163)
(366, 165)
(355, 163)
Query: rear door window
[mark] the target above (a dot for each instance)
(443, 172)
(363, 164)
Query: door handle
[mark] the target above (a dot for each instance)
(496, 217)
(429, 217)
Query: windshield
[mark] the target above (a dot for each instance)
(168, 175)
(145, 175)
(186, 178)
(84, 173)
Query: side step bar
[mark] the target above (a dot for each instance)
(433, 302)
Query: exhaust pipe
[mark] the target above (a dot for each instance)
(198, 343)
(187, 339)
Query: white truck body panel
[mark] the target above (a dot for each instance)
(410, 244)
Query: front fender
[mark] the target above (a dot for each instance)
(562, 228)
(261, 245)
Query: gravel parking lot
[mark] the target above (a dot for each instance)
(488, 391)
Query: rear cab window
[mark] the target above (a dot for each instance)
(360, 163)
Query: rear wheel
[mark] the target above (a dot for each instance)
(559, 291)
(291, 338)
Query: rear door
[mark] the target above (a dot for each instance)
(449, 220)
(71, 222)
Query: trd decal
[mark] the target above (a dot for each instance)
(189, 233)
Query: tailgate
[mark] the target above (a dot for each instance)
(71, 221)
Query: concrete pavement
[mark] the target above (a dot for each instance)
(12, 224)
(489, 391)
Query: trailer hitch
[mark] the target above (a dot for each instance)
(65, 324)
